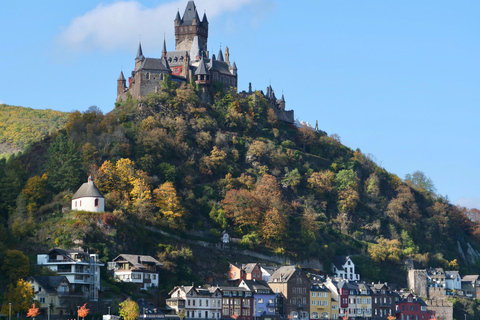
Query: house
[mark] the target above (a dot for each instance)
(470, 286)
(322, 306)
(249, 271)
(267, 272)
(141, 270)
(238, 303)
(198, 303)
(50, 291)
(81, 269)
(354, 298)
(383, 301)
(88, 198)
(435, 277)
(409, 306)
(265, 300)
(453, 281)
(295, 286)
(343, 267)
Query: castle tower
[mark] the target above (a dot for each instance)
(121, 84)
(164, 51)
(189, 26)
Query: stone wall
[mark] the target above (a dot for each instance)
(443, 308)
(436, 293)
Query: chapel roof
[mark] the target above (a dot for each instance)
(88, 189)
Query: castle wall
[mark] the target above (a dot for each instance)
(436, 293)
(417, 282)
(443, 308)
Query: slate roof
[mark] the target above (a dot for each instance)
(470, 278)
(88, 189)
(283, 274)
(201, 70)
(249, 267)
(136, 260)
(339, 261)
(121, 77)
(451, 274)
(153, 64)
(319, 287)
(219, 66)
(50, 283)
(140, 55)
(435, 272)
(255, 285)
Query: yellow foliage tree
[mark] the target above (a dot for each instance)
(19, 295)
(169, 204)
(386, 250)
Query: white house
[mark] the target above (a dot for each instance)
(88, 198)
(141, 270)
(343, 267)
(453, 281)
(81, 269)
(197, 303)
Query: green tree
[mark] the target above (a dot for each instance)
(129, 310)
(420, 182)
(64, 165)
(15, 265)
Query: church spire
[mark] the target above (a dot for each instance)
(164, 51)
(139, 52)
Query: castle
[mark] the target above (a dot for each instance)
(190, 61)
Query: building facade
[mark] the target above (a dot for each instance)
(144, 271)
(196, 303)
(80, 268)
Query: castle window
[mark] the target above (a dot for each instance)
(181, 58)
(170, 59)
(147, 76)
(175, 59)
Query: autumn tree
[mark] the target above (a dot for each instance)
(385, 250)
(321, 182)
(403, 206)
(20, 295)
(33, 311)
(35, 192)
(83, 311)
(129, 310)
(169, 204)
(243, 208)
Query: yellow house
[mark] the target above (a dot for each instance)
(49, 291)
(322, 305)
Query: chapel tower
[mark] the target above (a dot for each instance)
(189, 26)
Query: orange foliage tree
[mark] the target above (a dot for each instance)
(32, 312)
(83, 311)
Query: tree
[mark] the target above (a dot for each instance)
(129, 310)
(169, 204)
(321, 182)
(243, 208)
(420, 182)
(16, 265)
(64, 164)
(19, 295)
(33, 311)
(83, 311)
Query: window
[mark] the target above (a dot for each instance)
(188, 302)
(325, 294)
(314, 294)
(42, 300)
(359, 300)
(200, 302)
(154, 277)
(314, 303)
(314, 315)
(260, 300)
(206, 303)
(96, 202)
(147, 76)
(325, 303)
(136, 276)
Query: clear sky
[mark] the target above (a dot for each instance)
(397, 79)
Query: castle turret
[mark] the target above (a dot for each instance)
(227, 55)
(140, 57)
(233, 69)
(121, 84)
(220, 55)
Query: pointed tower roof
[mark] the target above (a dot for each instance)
(195, 49)
(234, 66)
(121, 78)
(140, 55)
(190, 12)
(213, 57)
(177, 17)
(164, 51)
(220, 55)
(204, 20)
(283, 98)
(201, 68)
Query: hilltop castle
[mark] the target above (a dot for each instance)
(190, 61)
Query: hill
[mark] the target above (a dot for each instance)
(20, 126)
(172, 165)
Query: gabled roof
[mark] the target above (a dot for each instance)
(88, 189)
(470, 278)
(249, 267)
(451, 274)
(283, 274)
(255, 285)
(50, 283)
(153, 65)
(137, 260)
(339, 261)
(435, 272)
(319, 287)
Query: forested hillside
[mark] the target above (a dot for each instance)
(19, 126)
(172, 163)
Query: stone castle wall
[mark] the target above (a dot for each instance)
(443, 308)
(436, 293)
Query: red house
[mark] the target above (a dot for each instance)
(237, 303)
(249, 271)
(411, 307)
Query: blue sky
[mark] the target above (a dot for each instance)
(396, 79)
